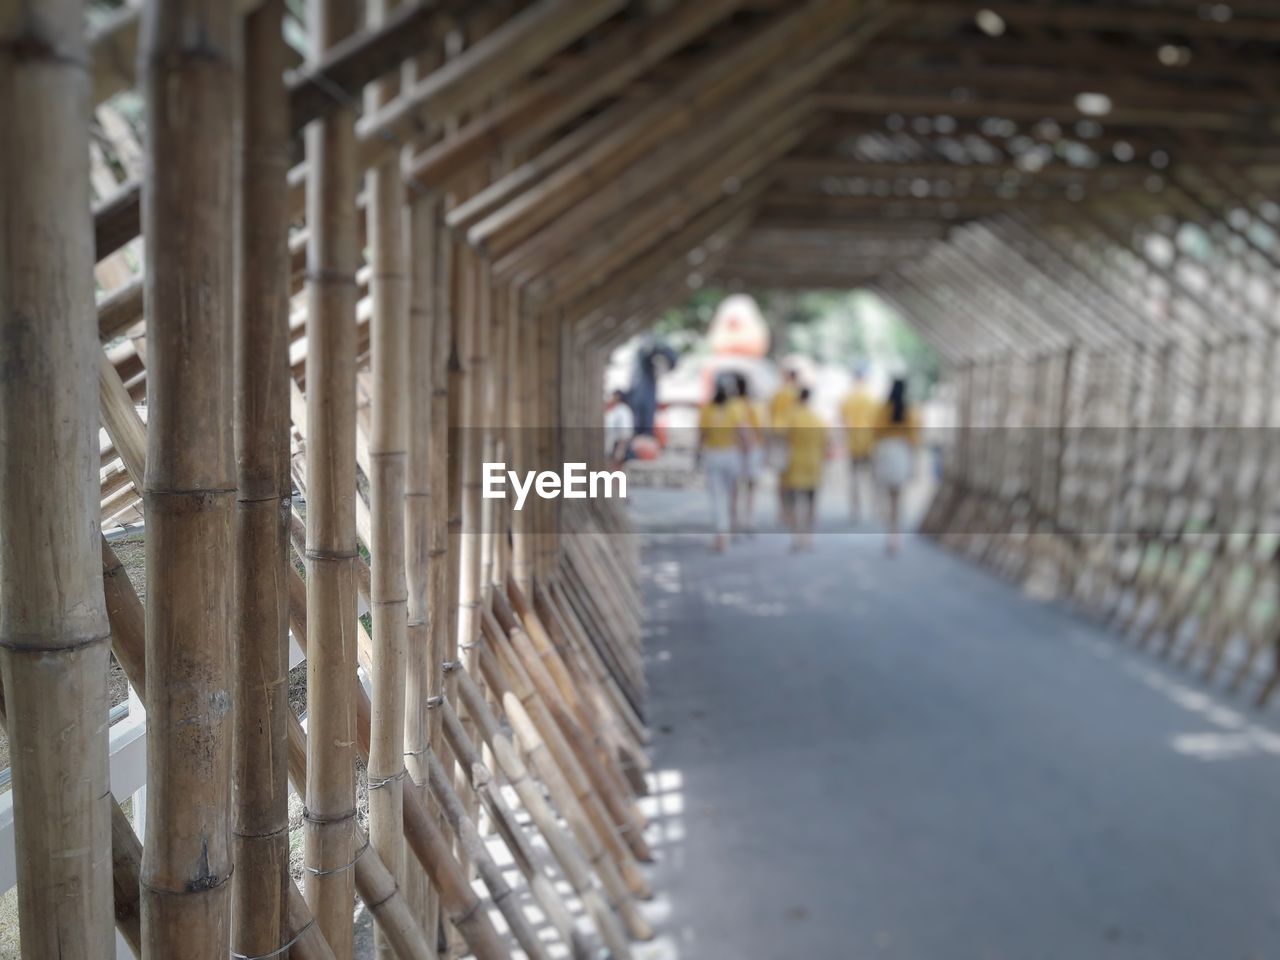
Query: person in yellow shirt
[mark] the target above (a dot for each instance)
(780, 408)
(806, 435)
(897, 437)
(753, 458)
(858, 413)
(721, 449)
(784, 401)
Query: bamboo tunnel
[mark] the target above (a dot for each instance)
(342, 265)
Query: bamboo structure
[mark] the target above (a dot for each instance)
(484, 200)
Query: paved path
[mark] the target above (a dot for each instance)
(909, 760)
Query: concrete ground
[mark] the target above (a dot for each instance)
(909, 760)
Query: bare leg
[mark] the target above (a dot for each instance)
(891, 543)
(734, 526)
(855, 491)
(808, 508)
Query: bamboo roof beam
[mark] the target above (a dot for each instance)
(1107, 18)
(512, 50)
(841, 102)
(556, 258)
(1171, 92)
(725, 132)
(697, 97)
(730, 216)
(816, 167)
(1074, 52)
(567, 92)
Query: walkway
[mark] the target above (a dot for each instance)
(909, 760)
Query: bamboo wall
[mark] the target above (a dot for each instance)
(336, 274)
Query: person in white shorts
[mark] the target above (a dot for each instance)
(753, 459)
(721, 447)
(897, 436)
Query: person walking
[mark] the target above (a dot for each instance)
(781, 405)
(784, 401)
(721, 450)
(753, 458)
(806, 435)
(897, 435)
(858, 413)
(619, 428)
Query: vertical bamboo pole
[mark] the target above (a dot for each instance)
(260, 885)
(522, 543)
(389, 333)
(53, 625)
(438, 534)
(190, 486)
(457, 414)
(422, 670)
(548, 395)
(489, 391)
(332, 257)
(472, 341)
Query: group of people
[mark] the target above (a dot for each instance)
(738, 441)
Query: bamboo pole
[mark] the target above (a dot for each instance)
(190, 489)
(332, 259)
(576, 860)
(373, 881)
(53, 628)
(574, 806)
(260, 885)
(464, 829)
(464, 909)
(609, 788)
(438, 532)
(128, 643)
(514, 679)
(422, 667)
(389, 335)
(481, 780)
(473, 342)
(580, 690)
